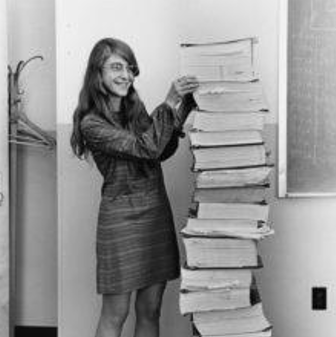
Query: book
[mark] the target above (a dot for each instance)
(229, 157)
(218, 299)
(257, 212)
(203, 279)
(230, 96)
(233, 178)
(235, 228)
(248, 194)
(263, 333)
(230, 60)
(248, 320)
(214, 252)
(248, 225)
(228, 121)
(235, 137)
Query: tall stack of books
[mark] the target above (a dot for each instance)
(229, 212)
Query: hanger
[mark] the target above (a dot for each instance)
(22, 130)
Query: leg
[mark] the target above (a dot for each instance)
(148, 308)
(113, 315)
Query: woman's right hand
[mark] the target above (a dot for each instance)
(181, 87)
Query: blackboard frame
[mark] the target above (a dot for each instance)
(283, 188)
(282, 105)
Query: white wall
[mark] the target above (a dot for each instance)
(295, 259)
(31, 31)
(4, 205)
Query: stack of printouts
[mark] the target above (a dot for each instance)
(229, 213)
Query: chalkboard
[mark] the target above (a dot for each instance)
(311, 97)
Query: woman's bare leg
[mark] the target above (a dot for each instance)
(114, 312)
(148, 308)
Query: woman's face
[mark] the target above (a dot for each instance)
(117, 75)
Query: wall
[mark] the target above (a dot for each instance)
(31, 32)
(4, 205)
(295, 258)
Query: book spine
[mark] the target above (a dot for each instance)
(263, 185)
(259, 265)
(197, 169)
(195, 147)
(251, 39)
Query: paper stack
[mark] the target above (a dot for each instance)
(229, 214)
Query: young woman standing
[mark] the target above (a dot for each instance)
(136, 242)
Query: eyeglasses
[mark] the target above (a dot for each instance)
(119, 68)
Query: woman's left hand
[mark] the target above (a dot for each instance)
(181, 87)
(186, 85)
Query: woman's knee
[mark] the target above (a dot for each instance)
(148, 304)
(115, 309)
(148, 310)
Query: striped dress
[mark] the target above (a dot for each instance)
(136, 241)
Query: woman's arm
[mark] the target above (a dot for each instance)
(171, 147)
(166, 122)
(187, 105)
(150, 144)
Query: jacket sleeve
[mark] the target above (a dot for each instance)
(171, 147)
(113, 140)
(187, 105)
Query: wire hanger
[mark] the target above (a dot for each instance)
(22, 130)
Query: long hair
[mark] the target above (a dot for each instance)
(93, 96)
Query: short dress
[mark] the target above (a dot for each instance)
(136, 243)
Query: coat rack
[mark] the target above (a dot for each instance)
(23, 132)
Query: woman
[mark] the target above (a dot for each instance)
(136, 243)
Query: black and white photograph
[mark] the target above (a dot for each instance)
(167, 168)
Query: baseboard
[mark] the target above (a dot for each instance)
(36, 331)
